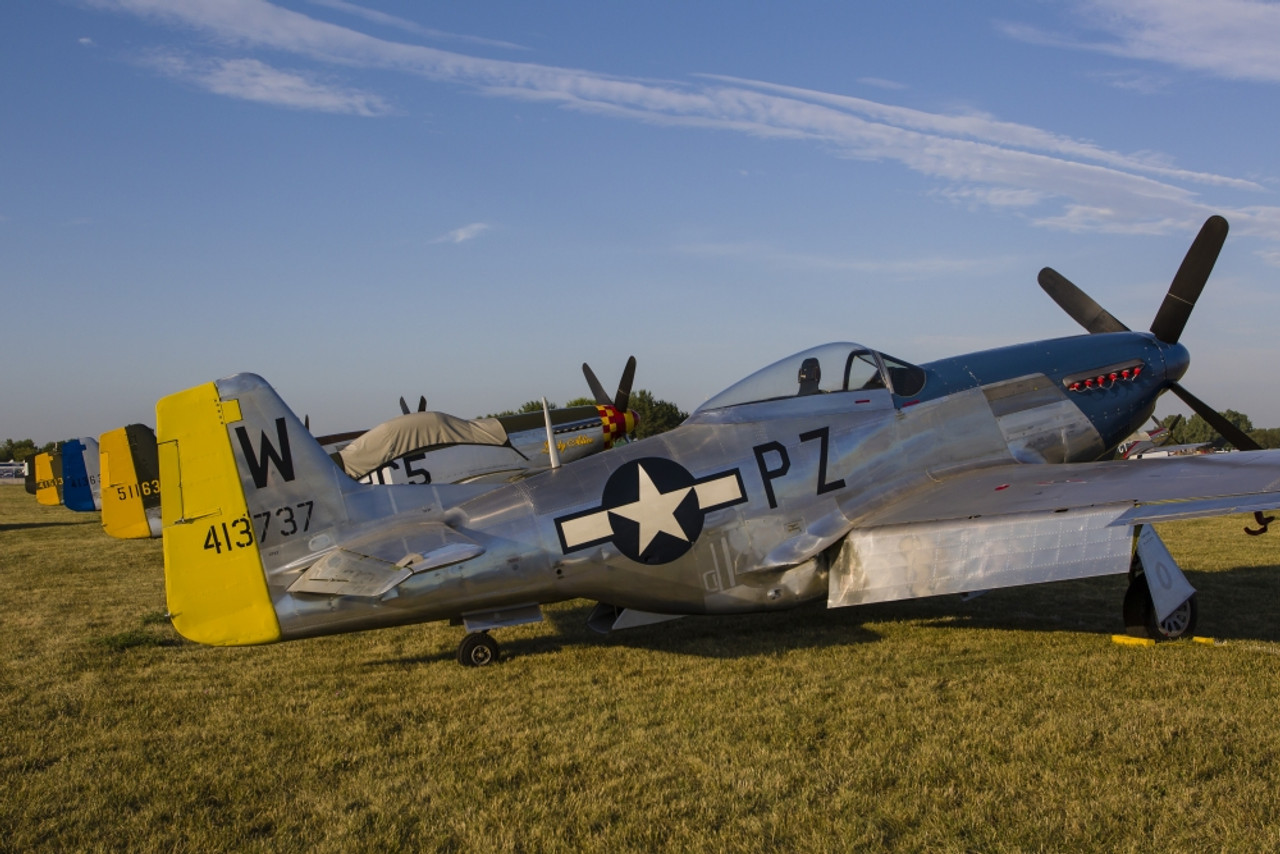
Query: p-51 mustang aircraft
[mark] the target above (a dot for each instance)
(839, 472)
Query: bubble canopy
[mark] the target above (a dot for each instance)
(828, 369)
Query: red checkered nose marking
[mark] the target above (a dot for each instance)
(616, 424)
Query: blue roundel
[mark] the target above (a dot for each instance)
(653, 510)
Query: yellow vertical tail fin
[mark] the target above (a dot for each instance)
(130, 482)
(214, 580)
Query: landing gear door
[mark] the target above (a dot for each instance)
(1169, 587)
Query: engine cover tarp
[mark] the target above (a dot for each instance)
(416, 431)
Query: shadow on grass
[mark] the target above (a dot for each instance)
(1238, 604)
(155, 632)
(733, 636)
(135, 638)
(27, 526)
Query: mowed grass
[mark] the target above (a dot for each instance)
(1007, 723)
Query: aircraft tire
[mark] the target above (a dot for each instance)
(1180, 624)
(477, 650)
(1137, 607)
(1140, 614)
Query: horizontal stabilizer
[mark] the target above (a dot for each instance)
(342, 573)
(373, 565)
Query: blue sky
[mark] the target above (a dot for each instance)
(362, 200)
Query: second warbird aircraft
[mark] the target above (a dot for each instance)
(839, 473)
(417, 447)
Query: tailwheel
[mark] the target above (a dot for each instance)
(1140, 614)
(477, 650)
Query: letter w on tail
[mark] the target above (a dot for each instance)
(258, 460)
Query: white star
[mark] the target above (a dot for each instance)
(655, 511)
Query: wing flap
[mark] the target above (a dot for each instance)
(960, 556)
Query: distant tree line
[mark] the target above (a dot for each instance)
(1195, 431)
(20, 450)
(656, 415)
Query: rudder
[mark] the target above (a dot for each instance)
(81, 485)
(48, 466)
(130, 476)
(215, 585)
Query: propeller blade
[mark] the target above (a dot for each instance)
(404, 407)
(1190, 281)
(623, 397)
(1225, 428)
(422, 403)
(1079, 305)
(597, 390)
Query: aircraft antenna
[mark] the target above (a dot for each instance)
(552, 451)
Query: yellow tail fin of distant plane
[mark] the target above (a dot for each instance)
(49, 478)
(130, 482)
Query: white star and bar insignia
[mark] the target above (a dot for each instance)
(652, 509)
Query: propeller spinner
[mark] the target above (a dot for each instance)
(619, 418)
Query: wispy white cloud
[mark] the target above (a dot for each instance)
(85, 40)
(462, 235)
(411, 27)
(1135, 81)
(1006, 135)
(1056, 180)
(1085, 218)
(1235, 39)
(995, 197)
(252, 80)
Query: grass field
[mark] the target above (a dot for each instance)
(1008, 723)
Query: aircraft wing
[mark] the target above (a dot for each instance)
(1017, 524)
(1180, 487)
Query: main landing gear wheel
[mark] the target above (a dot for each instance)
(1140, 614)
(477, 650)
